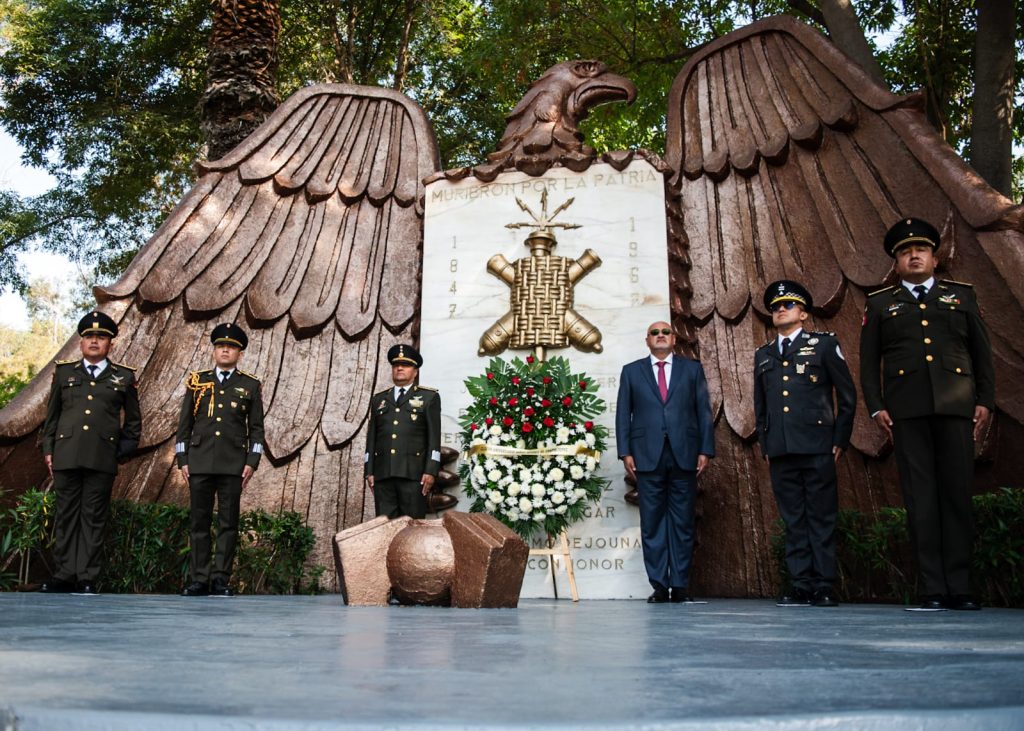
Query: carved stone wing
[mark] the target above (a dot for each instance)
(789, 162)
(309, 235)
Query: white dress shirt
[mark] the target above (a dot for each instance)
(792, 338)
(100, 367)
(928, 284)
(668, 368)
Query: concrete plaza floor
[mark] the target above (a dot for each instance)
(164, 662)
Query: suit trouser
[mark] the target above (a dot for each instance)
(397, 496)
(808, 499)
(228, 491)
(935, 456)
(83, 502)
(667, 499)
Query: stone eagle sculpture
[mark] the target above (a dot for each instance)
(783, 160)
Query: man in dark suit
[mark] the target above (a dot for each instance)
(929, 382)
(219, 445)
(665, 437)
(403, 441)
(83, 438)
(802, 435)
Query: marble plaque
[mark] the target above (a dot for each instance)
(622, 218)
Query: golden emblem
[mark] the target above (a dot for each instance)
(542, 314)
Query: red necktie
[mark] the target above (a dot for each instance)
(662, 383)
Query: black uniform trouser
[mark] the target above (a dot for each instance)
(935, 456)
(397, 496)
(228, 491)
(83, 502)
(808, 499)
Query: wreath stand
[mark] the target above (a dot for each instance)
(563, 551)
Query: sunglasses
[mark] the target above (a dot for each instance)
(662, 331)
(787, 305)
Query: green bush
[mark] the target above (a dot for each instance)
(876, 563)
(146, 550)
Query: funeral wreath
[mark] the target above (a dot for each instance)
(532, 447)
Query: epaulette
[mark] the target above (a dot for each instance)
(822, 332)
(207, 370)
(959, 284)
(122, 365)
(884, 289)
(247, 373)
(68, 362)
(426, 388)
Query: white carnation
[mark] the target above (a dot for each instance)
(494, 496)
(538, 517)
(495, 430)
(478, 473)
(512, 514)
(494, 475)
(537, 490)
(525, 476)
(489, 506)
(525, 505)
(562, 435)
(576, 471)
(591, 464)
(514, 489)
(591, 440)
(558, 498)
(556, 475)
(560, 510)
(579, 493)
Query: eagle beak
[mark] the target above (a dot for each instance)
(607, 87)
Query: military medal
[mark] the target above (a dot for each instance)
(234, 404)
(812, 341)
(416, 403)
(800, 367)
(412, 416)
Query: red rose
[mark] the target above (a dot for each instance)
(547, 379)
(490, 376)
(527, 427)
(529, 359)
(545, 403)
(493, 401)
(567, 401)
(513, 401)
(507, 421)
(548, 421)
(515, 380)
(473, 426)
(588, 425)
(528, 411)
(488, 421)
(572, 425)
(583, 385)
(530, 391)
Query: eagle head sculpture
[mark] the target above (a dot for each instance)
(546, 119)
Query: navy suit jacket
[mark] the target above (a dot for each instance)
(642, 421)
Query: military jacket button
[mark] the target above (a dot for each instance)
(929, 358)
(786, 409)
(927, 341)
(924, 323)
(216, 434)
(85, 427)
(785, 362)
(923, 306)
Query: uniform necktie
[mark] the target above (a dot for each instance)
(921, 291)
(92, 370)
(662, 383)
(785, 345)
(401, 393)
(224, 376)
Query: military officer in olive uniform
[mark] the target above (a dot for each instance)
(403, 441)
(929, 382)
(219, 444)
(802, 435)
(83, 439)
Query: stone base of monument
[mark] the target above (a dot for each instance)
(462, 560)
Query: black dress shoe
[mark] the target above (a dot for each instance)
(196, 588)
(680, 596)
(57, 586)
(660, 596)
(825, 598)
(219, 587)
(963, 602)
(929, 604)
(795, 598)
(85, 588)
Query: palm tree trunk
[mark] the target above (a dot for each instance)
(241, 72)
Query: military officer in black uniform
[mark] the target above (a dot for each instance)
(929, 382)
(802, 435)
(219, 444)
(83, 439)
(403, 441)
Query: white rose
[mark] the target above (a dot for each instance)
(562, 435)
(494, 475)
(538, 517)
(556, 475)
(525, 505)
(591, 440)
(494, 496)
(560, 510)
(512, 514)
(538, 490)
(591, 464)
(576, 471)
(579, 493)
(558, 498)
(525, 476)
(495, 430)
(514, 489)
(489, 506)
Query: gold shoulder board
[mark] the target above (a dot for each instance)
(247, 373)
(426, 388)
(68, 362)
(122, 365)
(879, 291)
(959, 284)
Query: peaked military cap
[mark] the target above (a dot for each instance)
(911, 231)
(404, 354)
(228, 333)
(97, 323)
(786, 290)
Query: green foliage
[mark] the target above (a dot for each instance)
(145, 549)
(544, 412)
(11, 384)
(876, 562)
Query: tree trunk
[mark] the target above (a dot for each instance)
(845, 31)
(241, 72)
(992, 133)
(402, 62)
